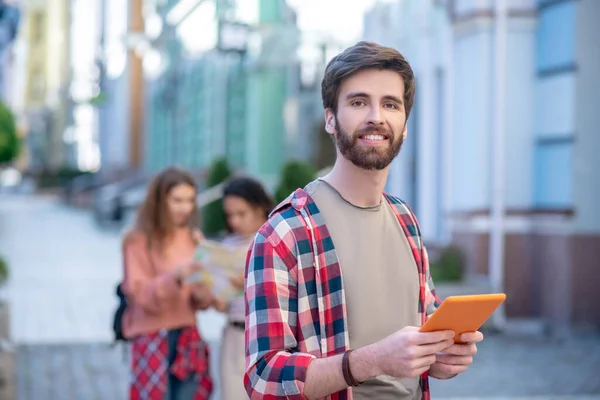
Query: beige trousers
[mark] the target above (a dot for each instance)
(233, 364)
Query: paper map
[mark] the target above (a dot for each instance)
(221, 262)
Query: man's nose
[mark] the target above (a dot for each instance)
(375, 117)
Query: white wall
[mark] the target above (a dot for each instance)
(113, 129)
(472, 119)
(114, 125)
(473, 112)
(520, 113)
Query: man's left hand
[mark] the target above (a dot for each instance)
(456, 358)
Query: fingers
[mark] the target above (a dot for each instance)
(449, 369)
(411, 329)
(203, 305)
(472, 337)
(190, 267)
(424, 361)
(200, 287)
(418, 372)
(462, 349)
(196, 265)
(426, 349)
(202, 296)
(417, 367)
(432, 337)
(220, 304)
(451, 359)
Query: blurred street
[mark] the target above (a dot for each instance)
(99, 97)
(61, 292)
(65, 271)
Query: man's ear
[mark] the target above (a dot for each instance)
(330, 122)
(405, 132)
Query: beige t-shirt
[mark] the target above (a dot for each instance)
(380, 278)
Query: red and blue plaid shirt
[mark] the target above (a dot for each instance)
(295, 307)
(151, 368)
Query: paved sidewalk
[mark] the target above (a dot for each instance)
(514, 366)
(93, 371)
(506, 368)
(70, 372)
(63, 273)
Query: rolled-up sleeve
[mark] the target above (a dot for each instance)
(432, 301)
(275, 369)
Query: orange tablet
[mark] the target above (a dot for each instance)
(463, 313)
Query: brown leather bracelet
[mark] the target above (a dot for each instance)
(348, 377)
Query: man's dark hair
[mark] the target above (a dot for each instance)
(362, 56)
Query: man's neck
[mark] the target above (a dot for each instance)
(360, 187)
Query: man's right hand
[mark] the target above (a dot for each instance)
(409, 353)
(406, 353)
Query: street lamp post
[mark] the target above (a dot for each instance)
(497, 234)
(170, 98)
(233, 39)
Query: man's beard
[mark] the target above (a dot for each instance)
(368, 158)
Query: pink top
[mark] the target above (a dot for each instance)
(155, 300)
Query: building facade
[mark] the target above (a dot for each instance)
(272, 92)
(211, 101)
(43, 90)
(532, 83)
(10, 18)
(113, 101)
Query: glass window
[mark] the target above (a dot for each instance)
(556, 36)
(555, 104)
(553, 174)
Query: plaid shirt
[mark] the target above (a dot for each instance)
(151, 369)
(295, 307)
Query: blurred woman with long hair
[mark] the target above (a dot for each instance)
(169, 360)
(246, 205)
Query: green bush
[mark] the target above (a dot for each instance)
(295, 175)
(10, 143)
(51, 179)
(212, 215)
(449, 266)
(3, 271)
(68, 173)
